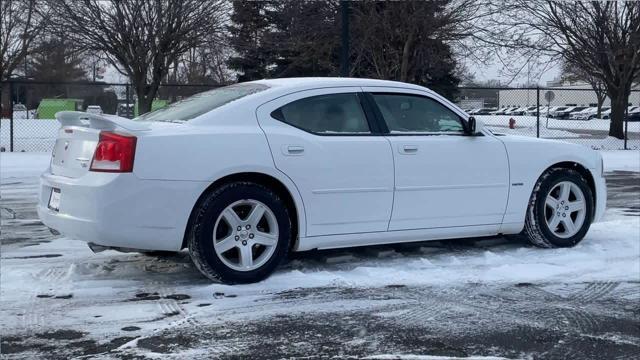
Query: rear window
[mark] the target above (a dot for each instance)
(196, 105)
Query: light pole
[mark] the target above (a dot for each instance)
(344, 56)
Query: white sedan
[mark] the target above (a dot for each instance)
(244, 174)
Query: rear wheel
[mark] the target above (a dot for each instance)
(240, 233)
(560, 210)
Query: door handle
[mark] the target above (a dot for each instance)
(408, 149)
(293, 150)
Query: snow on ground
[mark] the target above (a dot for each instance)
(592, 133)
(23, 164)
(128, 302)
(628, 160)
(29, 134)
(550, 123)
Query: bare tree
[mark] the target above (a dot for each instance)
(398, 37)
(20, 26)
(204, 65)
(601, 38)
(141, 38)
(573, 73)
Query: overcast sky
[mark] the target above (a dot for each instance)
(494, 72)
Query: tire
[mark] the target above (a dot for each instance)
(541, 216)
(273, 227)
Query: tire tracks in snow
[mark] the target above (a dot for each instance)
(35, 314)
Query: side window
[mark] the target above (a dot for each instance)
(325, 114)
(416, 114)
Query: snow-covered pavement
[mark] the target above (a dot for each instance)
(490, 297)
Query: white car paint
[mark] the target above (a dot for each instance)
(347, 190)
(337, 176)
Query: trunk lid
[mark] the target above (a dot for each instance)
(78, 137)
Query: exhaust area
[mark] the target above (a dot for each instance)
(100, 248)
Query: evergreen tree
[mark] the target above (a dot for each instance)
(402, 41)
(247, 33)
(54, 62)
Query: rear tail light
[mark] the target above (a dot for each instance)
(114, 153)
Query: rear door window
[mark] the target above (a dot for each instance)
(337, 114)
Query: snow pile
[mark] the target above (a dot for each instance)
(621, 160)
(610, 252)
(15, 165)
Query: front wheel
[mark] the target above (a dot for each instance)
(560, 209)
(240, 233)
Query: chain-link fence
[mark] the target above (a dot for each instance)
(28, 108)
(28, 111)
(568, 114)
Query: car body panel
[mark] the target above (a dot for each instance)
(470, 192)
(346, 181)
(526, 169)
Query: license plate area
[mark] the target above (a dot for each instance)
(54, 199)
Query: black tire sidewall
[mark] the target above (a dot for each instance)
(540, 205)
(213, 207)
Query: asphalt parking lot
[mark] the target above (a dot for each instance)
(112, 305)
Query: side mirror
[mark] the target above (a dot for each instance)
(474, 126)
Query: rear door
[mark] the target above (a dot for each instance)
(323, 140)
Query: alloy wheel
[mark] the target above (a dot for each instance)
(565, 209)
(245, 235)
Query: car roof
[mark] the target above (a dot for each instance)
(311, 82)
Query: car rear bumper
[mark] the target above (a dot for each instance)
(120, 210)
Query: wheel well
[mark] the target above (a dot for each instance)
(258, 178)
(580, 169)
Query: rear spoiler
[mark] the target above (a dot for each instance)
(103, 122)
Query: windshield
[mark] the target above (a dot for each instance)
(196, 105)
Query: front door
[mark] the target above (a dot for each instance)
(323, 141)
(444, 178)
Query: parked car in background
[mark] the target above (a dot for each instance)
(516, 111)
(630, 109)
(483, 111)
(554, 110)
(503, 110)
(581, 114)
(535, 111)
(94, 109)
(241, 175)
(633, 116)
(20, 111)
(519, 111)
(564, 114)
(529, 109)
(126, 110)
(594, 114)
